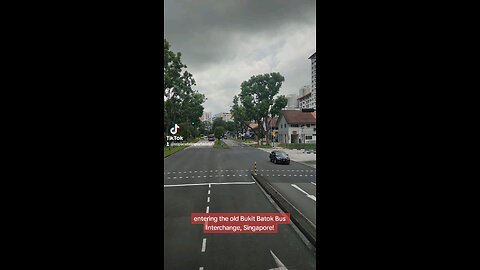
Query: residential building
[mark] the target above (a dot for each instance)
(292, 101)
(295, 126)
(313, 97)
(206, 117)
(306, 98)
(304, 90)
(313, 58)
(226, 116)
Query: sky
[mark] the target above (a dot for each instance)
(225, 42)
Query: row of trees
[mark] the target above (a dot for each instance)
(183, 105)
(256, 102)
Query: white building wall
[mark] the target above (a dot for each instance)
(289, 130)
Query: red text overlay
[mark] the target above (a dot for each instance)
(240, 222)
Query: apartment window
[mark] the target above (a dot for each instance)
(308, 137)
(314, 135)
(294, 125)
(308, 125)
(314, 129)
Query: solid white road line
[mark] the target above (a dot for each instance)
(308, 195)
(204, 244)
(313, 183)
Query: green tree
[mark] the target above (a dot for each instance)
(182, 104)
(219, 131)
(230, 126)
(279, 103)
(177, 86)
(218, 122)
(239, 116)
(257, 97)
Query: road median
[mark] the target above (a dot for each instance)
(305, 226)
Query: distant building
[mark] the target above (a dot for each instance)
(296, 126)
(306, 98)
(227, 117)
(313, 58)
(206, 117)
(292, 101)
(313, 98)
(304, 90)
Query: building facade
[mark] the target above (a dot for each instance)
(224, 115)
(206, 117)
(313, 98)
(313, 58)
(292, 101)
(306, 99)
(297, 127)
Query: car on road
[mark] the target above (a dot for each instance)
(211, 137)
(279, 157)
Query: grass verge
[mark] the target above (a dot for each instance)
(220, 145)
(167, 151)
(306, 146)
(245, 141)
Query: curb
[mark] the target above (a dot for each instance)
(303, 224)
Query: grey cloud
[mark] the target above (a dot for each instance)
(226, 42)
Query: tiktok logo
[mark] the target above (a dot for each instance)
(174, 129)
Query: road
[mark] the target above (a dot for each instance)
(202, 179)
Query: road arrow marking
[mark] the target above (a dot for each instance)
(308, 195)
(279, 263)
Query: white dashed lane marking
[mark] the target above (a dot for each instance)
(204, 244)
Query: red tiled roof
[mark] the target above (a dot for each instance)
(299, 117)
(253, 125)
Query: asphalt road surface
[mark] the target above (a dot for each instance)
(202, 179)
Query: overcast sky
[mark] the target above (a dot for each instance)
(225, 42)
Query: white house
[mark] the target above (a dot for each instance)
(296, 126)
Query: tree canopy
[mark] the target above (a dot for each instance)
(183, 105)
(258, 103)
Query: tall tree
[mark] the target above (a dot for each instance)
(218, 122)
(239, 116)
(177, 85)
(257, 97)
(279, 103)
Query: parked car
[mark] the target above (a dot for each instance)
(211, 137)
(279, 157)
